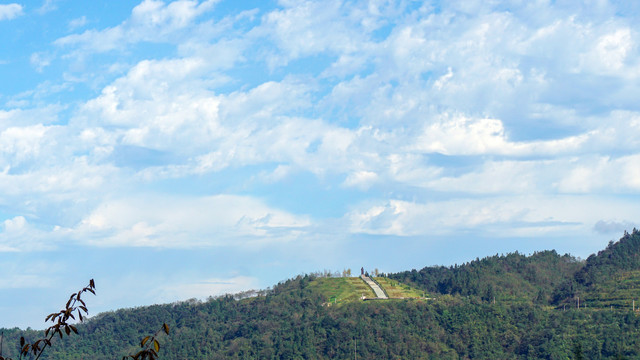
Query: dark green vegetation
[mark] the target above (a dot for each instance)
(534, 316)
(608, 279)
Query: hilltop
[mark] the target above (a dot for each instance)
(610, 278)
(340, 290)
(503, 306)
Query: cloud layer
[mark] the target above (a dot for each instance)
(510, 101)
(193, 125)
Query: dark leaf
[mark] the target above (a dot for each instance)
(144, 340)
(69, 302)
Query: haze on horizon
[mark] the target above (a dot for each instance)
(181, 149)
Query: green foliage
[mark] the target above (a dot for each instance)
(150, 346)
(607, 279)
(513, 277)
(61, 324)
(294, 321)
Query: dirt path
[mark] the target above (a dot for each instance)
(376, 289)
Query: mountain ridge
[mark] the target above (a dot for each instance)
(502, 306)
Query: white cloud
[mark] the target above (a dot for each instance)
(165, 105)
(40, 60)
(151, 20)
(205, 288)
(19, 235)
(602, 174)
(78, 22)
(616, 227)
(306, 28)
(610, 53)
(499, 216)
(14, 225)
(22, 143)
(10, 11)
(361, 179)
(29, 117)
(178, 222)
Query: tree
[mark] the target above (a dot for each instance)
(150, 346)
(62, 325)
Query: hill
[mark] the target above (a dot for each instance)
(295, 320)
(610, 278)
(340, 290)
(511, 277)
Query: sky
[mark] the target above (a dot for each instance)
(183, 149)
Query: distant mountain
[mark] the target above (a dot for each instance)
(534, 315)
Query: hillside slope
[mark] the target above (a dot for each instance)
(295, 321)
(610, 278)
(511, 277)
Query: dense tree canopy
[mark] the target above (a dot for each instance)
(530, 318)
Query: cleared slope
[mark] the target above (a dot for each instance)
(349, 289)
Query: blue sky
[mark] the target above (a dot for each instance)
(181, 149)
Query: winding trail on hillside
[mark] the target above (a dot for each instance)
(376, 289)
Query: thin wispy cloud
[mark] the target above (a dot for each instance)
(10, 11)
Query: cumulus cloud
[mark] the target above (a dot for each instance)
(151, 20)
(19, 235)
(294, 29)
(459, 135)
(514, 216)
(471, 100)
(174, 222)
(10, 11)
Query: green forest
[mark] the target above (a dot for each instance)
(513, 306)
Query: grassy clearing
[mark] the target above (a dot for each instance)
(347, 289)
(344, 289)
(394, 289)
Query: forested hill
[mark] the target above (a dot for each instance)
(534, 316)
(511, 277)
(609, 278)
